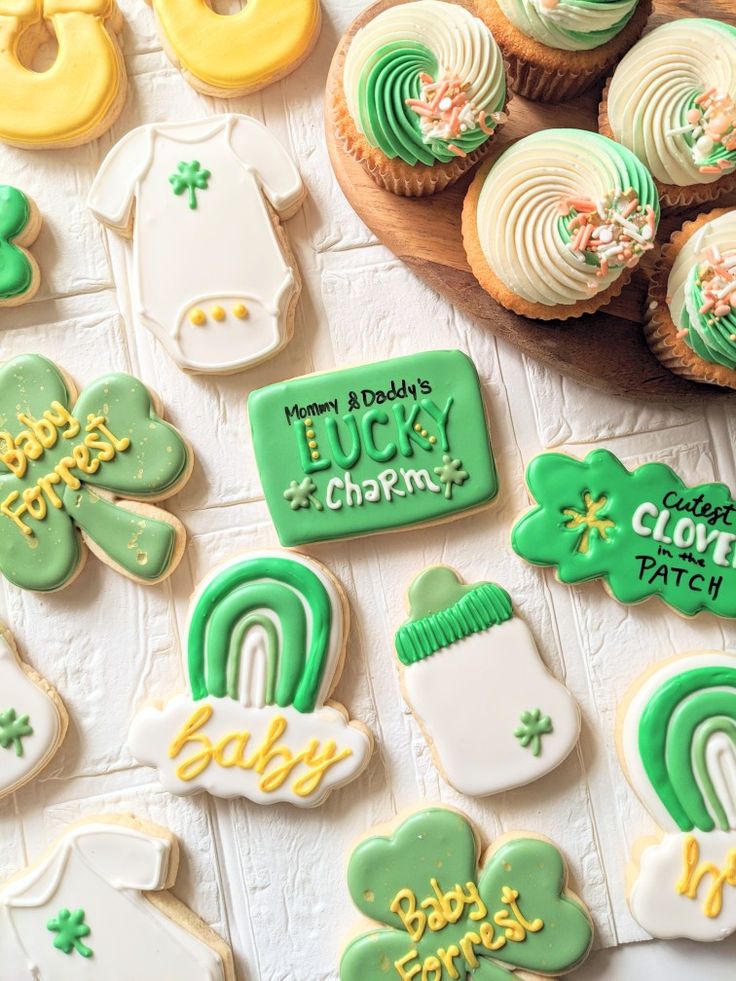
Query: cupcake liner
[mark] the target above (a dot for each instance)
(673, 197)
(395, 175)
(545, 74)
(659, 328)
(500, 292)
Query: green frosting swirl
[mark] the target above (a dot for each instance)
(572, 25)
(711, 338)
(387, 81)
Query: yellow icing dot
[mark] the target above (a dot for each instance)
(315, 455)
(312, 444)
(424, 432)
(218, 313)
(241, 311)
(432, 440)
(417, 427)
(198, 317)
(310, 434)
(308, 422)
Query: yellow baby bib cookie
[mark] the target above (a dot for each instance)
(82, 93)
(231, 55)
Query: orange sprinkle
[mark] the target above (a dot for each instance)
(456, 150)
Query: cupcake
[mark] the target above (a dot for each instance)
(556, 49)
(554, 226)
(672, 101)
(418, 95)
(691, 320)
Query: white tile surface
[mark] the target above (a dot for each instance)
(263, 875)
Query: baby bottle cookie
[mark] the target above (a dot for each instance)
(467, 660)
(20, 223)
(677, 742)
(215, 280)
(80, 96)
(266, 642)
(84, 471)
(446, 912)
(96, 906)
(33, 720)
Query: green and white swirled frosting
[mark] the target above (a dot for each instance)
(656, 107)
(569, 25)
(394, 81)
(562, 213)
(701, 284)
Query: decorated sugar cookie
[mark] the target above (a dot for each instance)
(376, 448)
(20, 223)
(66, 460)
(266, 641)
(214, 278)
(445, 912)
(463, 646)
(33, 720)
(96, 907)
(644, 532)
(677, 741)
(228, 56)
(80, 96)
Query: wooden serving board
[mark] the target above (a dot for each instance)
(606, 350)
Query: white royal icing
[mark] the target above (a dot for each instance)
(469, 698)
(102, 869)
(25, 697)
(222, 253)
(244, 727)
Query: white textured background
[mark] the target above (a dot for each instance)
(271, 880)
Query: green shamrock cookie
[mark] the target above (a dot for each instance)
(62, 463)
(19, 227)
(443, 919)
(645, 532)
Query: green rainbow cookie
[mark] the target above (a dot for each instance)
(19, 228)
(442, 918)
(645, 532)
(62, 463)
(383, 446)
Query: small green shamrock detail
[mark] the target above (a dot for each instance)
(302, 495)
(533, 726)
(69, 929)
(451, 473)
(589, 521)
(423, 885)
(190, 177)
(13, 729)
(126, 450)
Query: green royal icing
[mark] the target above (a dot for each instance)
(389, 78)
(190, 177)
(70, 928)
(376, 459)
(644, 531)
(237, 599)
(673, 733)
(13, 730)
(438, 844)
(49, 555)
(16, 272)
(533, 726)
(443, 610)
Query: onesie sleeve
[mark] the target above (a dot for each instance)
(262, 153)
(113, 189)
(125, 857)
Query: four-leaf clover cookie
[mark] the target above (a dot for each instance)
(443, 918)
(65, 461)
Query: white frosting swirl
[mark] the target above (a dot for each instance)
(569, 25)
(460, 42)
(518, 215)
(655, 82)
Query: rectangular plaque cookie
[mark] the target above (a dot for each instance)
(375, 448)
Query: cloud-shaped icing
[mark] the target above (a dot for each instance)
(267, 755)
